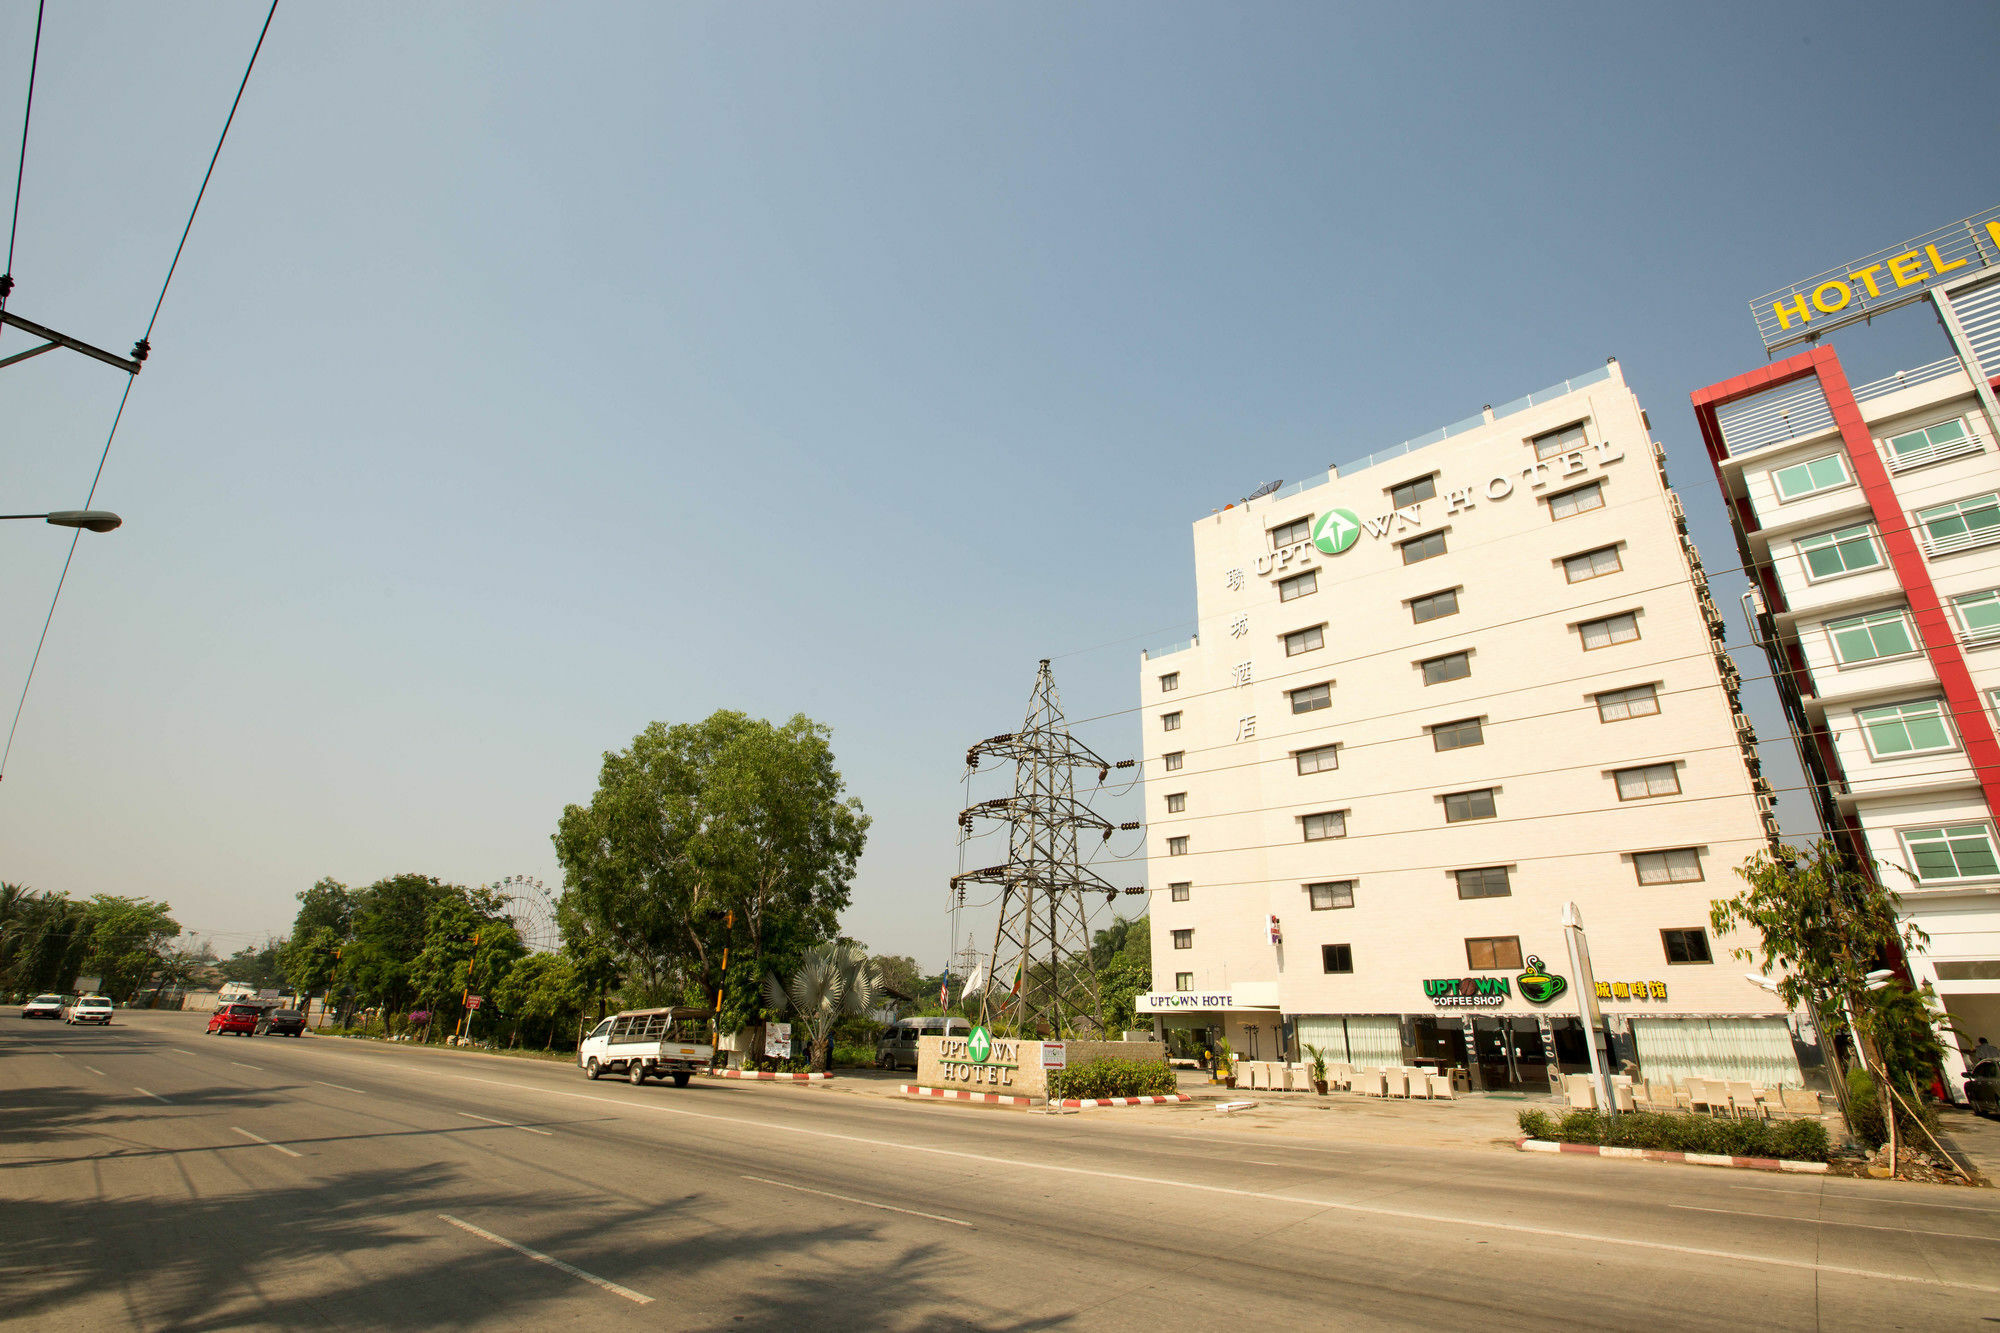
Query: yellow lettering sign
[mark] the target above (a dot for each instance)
(1828, 307)
(1907, 269)
(1799, 308)
(1938, 264)
(1867, 277)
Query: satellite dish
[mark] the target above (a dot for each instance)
(1265, 489)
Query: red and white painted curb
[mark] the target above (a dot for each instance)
(1088, 1102)
(954, 1095)
(1660, 1155)
(767, 1076)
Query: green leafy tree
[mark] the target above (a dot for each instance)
(128, 937)
(182, 962)
(543, 992)
(48, 941)
(468, 946)
(389, 933)
(256, 965)
(899, 972)
(327, 905)
(311, 961)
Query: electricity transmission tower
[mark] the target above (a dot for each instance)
(1041, 978)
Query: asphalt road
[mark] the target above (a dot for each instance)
(153, 1177)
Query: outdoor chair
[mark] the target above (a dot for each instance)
(1579, 1091)
(1706, 1097)
(1743, 1101)
(1416, 1084)
(1368, 1081)
(1397, 1083)
(1440, 1087)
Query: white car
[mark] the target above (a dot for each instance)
(43, 1006)
(88, 1009)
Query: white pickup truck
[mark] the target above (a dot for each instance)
(659, 1043)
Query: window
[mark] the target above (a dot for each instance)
(1170, 721)
(1176, 802)
(1285, 534)
(1452, 666)
(1336, 957)
(1910, 728)
(1329, 824)
(1810, 477)
(1463, 805)
(1846, 551)
(1576, 500)
(1592, 564)
(1422, 548)
(1494, 953)
(1183, 981)
(1617, 705)
(1917, 445)
(1621, 628)
(1559, 441)
(1432, 607)
(1483, 882)
(1962, 523)
(1411, 492)
(1979, 614)
(1459, 735)
(1682, 865)
(1174, 760)
(1179, 892)
(1331, 894)
(1956, 851)
(1184, 939)
(1170, 681)
(1305, 640)
(1177, 846)
(1319, 759)
(1870, 637)
(1311, 698)
(1686, 946)
(1636, 784)
(1298, 585)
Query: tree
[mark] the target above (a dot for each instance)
(1824, 922)
(183, 962)
(389, 918)
(327, 905)
(900, 973)
(48, 940)
(544, 991)
(256, 965)
(834, 979)
(468, 945)
(1123, 954)
(128, 937)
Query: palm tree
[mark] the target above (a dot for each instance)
(833, 980)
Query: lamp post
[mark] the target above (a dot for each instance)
(1586, 1004)
(92, 520)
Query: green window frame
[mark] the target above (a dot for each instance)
(1962, 522)
(1915, 727)
(1824, 473)
(1848, 550)
(1951, 851)
(1871, 638)
(1927, 438)
(1978, 613)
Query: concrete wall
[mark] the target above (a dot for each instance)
(1013, 1068)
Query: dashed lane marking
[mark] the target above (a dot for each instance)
(504, 1125)
(95, 1070)
(240, 1065)
(549, 1259)
(154, 1095)
(266, 1142)
(1857, 1198)
(342, 1086)
(1836, 1222)
(865, 1203)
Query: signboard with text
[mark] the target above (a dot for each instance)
(1055, 1055)
(1879, 282)
(778, 1041)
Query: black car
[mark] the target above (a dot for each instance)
(285, 1023)
(1982, 1087)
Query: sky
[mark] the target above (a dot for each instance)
(537, 372)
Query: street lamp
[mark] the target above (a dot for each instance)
(96, 520)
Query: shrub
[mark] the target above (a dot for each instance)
(1112, 1078)
(1794, 1140)
(1864, 1112)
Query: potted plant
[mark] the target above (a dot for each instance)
(1225, 1063)
(1318, 1060)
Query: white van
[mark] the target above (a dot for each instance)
(662, 1043)
(897, 1047)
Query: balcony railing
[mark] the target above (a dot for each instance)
(1932, 453)
(1967, 540)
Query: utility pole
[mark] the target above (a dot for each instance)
(465, 999)
(1041, 979)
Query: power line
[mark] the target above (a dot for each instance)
(21, 165)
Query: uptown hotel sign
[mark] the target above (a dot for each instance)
(979, 1059)
(1879, 282)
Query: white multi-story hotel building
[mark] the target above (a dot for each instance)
(1870, 519)
(1436, 695)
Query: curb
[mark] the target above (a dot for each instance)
(953, 1094)
(1660, 1155)
(1088, 1102)
(766, 1076)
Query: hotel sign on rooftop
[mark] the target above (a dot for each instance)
(1878, 282)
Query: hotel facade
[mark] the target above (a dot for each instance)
(1869, 518)
(1437, 695)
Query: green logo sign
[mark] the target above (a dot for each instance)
(1537, 986)
(1336, 530)
(979, 1045)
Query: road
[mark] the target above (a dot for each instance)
(158, 1178)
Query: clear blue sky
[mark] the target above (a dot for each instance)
(537, 372)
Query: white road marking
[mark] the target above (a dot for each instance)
(154, 1095)
(266, 1142)
(1835, 1222)
(240, 1065)
(865, 1203)
(550, 1260)
(504, 1125)
(176, 1048)
(95, 1070)
(1374, 1210)
(342, 1086)
(59, 1055)
(1856, 1198)
(1219, 1141)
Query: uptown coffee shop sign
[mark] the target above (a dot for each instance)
(1537, 985)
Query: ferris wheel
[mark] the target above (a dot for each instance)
(532, 907)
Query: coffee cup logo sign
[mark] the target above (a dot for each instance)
(1537, 986)
(979, 1058)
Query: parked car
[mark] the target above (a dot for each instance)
(1982, 1087)
(648, 1042)
(285, 1023)
(240, 1018)
(43, 1006)
(897, 1048)
(88, 1009)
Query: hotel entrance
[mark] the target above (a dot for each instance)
(1512, 1056)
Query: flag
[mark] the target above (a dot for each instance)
(1017, 978)
(944, 991)
(973, 983)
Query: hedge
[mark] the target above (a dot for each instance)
(1112, 1078)
(1792, 1140)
